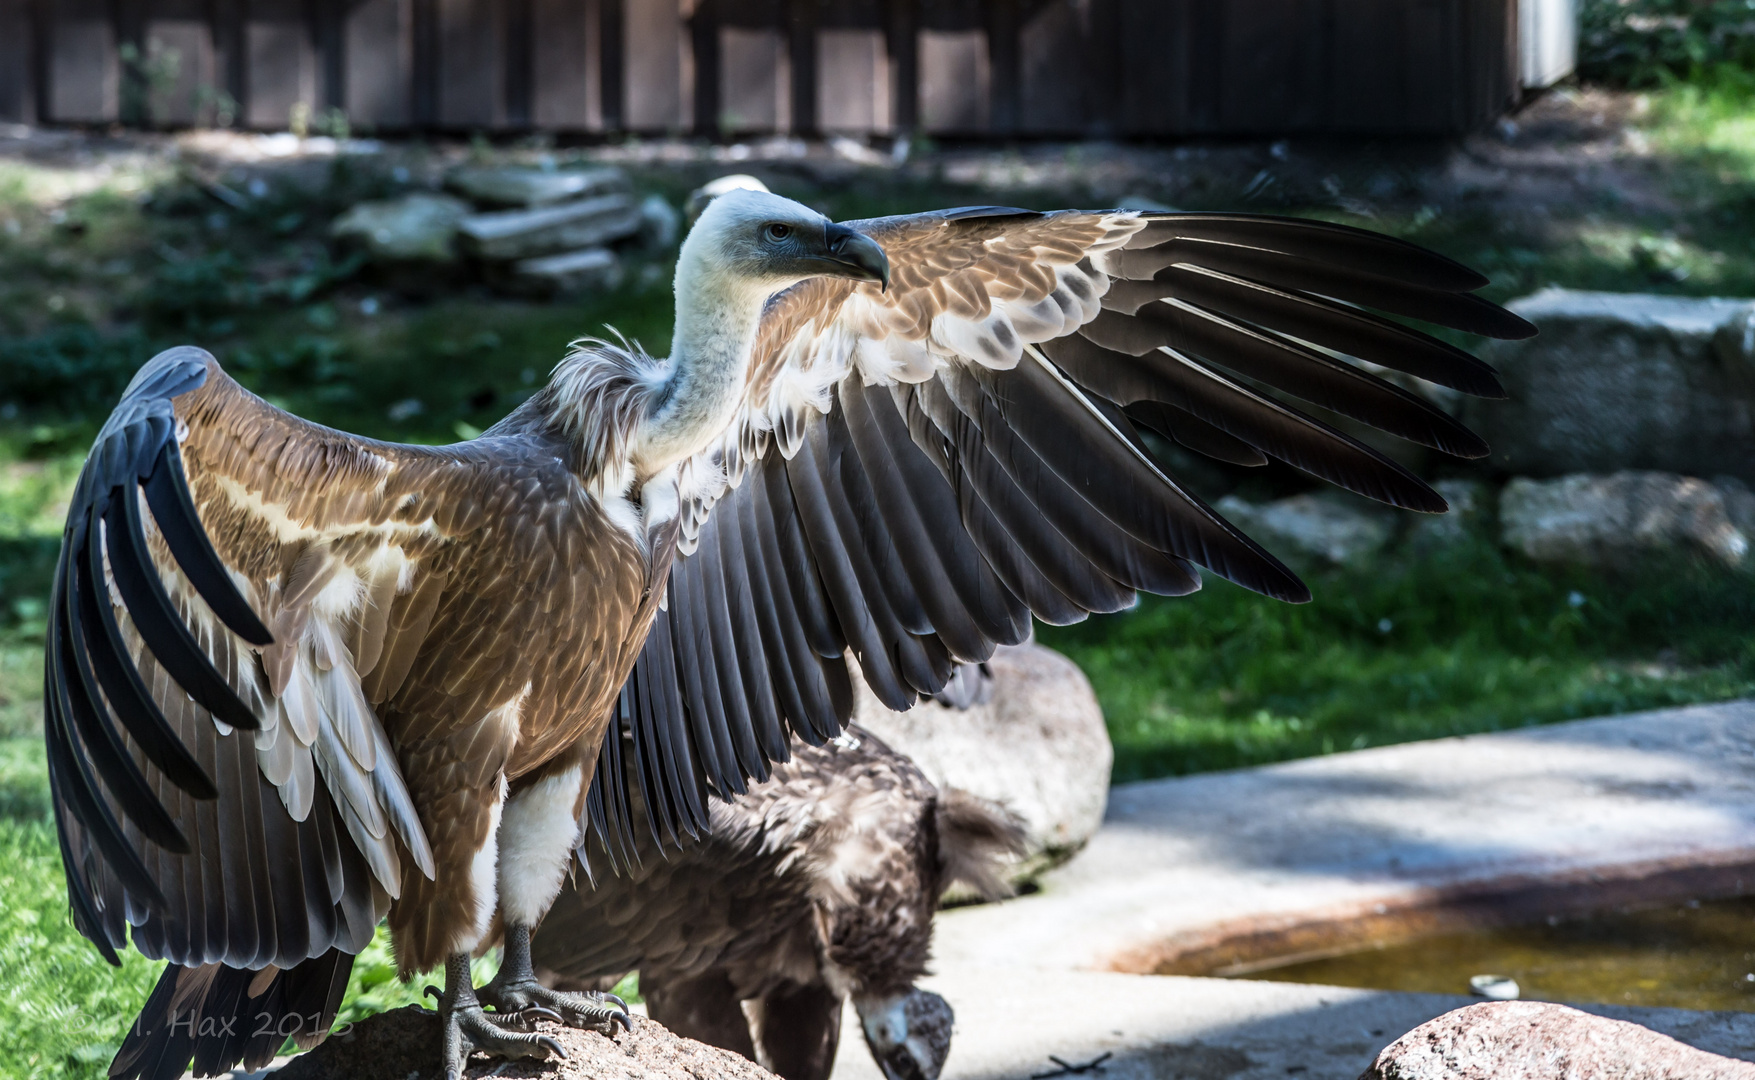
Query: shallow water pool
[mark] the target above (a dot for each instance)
(1696, 955)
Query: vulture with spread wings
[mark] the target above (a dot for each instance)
(298, 680)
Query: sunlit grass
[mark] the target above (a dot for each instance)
(66, 1009)
(1459, 641)
(1714, 114)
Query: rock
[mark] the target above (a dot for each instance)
(1624, 381)
(568, 273)
(1325, 525)
(404, 1043)
(1037, 746)
(1532, 1040)
(659, 223)
(712, 189)
(417, 228)
(515, 186)
(507, 235)
(1613, 520)
(1739, 503)
(1471, 506)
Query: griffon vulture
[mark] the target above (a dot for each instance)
(818, 885)
(298, 680)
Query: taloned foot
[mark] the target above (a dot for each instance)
(517, 997)
(468, 1027)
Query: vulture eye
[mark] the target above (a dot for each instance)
(777, 232)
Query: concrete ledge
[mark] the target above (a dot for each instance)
(1164, 1027)
(1442, 834)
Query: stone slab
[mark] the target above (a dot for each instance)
(514, 186)
(1624, 381)
(521, 234)
(1646, 806)
(1160, 1027)
(567, 273)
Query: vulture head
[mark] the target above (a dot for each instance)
(909, 1033)
(772, 243)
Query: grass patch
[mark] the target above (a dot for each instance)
(1418, 646)
(66, 1010)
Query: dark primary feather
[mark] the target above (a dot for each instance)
(922, 522)
(1335, 326)
(167, 493)
(1463, 311)
(1328, 244)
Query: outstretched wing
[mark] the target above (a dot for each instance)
(918, 472)
(240, 597)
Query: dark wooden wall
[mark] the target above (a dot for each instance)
(994, 68)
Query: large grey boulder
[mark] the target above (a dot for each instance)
(1624, 381)
(1532, 1040)
(1613, 520)
(416, 228)
(1326, 525)
(520, 186)
(1038, 747)
(506, 235)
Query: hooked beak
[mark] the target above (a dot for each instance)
(855, 255)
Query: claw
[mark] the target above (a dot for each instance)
(624, 1019)
(537, 1012)
(551, 1046)
(433, 992)
(619, 1003)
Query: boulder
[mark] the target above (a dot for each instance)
(416, 228)
(509, 235)
(1532, 1040)
(1624, 381)
(568, 273)
(404, 1043)
(518, 186)
(1739, 503)
(1325, 525)
(1037, 746)
(1613, 520)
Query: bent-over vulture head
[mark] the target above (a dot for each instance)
(761, 237)
(909, 1033)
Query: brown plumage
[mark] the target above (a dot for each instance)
(297, 681)
(817, 886)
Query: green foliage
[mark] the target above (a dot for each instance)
(1462, 640)
(66, 1010)
(70, 369)
(1640, 44)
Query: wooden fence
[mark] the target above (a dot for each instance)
(979, 68)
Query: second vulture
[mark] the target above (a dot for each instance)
(817, 887)
(299, 680)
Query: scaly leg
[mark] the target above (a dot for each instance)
(515, 991)
(469, 1028)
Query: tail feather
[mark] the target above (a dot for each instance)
(215, 1017)
(976, 840)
